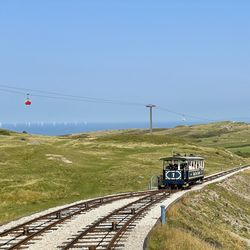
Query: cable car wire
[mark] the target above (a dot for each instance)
(184, 114)
(85, 98)
(67, 97)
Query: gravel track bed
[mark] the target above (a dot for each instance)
(137, 236)
(36, 215)
(54, 239)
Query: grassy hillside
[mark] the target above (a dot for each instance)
(234, 136)
(38, 172)
(217, 217)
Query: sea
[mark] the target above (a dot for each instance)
(66, 128)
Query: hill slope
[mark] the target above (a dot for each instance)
(217, 217)
(38, 172)
(235, 136)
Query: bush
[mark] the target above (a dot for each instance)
(243, 154)
(4, 132)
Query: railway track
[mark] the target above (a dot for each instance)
(222, 173)
(108, 232)
(22, 234)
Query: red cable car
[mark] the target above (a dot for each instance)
(28, 101)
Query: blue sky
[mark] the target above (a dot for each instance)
(188, 56)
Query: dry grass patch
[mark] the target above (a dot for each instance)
(59, 158)
(97, 163)
(217, 217)
(168, 238)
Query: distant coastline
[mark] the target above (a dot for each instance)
(54, 129)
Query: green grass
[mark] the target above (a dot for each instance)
(216, 217)
(35, 173)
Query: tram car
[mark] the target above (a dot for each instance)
(181, 171)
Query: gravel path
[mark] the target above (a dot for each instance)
(137, 237)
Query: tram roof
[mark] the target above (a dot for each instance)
(182, 158)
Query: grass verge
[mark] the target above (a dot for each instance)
(217, 217)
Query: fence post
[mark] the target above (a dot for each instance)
(163, 215)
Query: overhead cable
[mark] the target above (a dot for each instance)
(68, 97)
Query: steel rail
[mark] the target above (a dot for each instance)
(90, 229)
(82, 207)
(123, 229)
(67, 212)
(220, 174)
(114, 240)
(5, 232)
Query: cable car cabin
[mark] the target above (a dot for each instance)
(181, 171)
(28, 102)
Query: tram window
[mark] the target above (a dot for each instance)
(183, 166)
